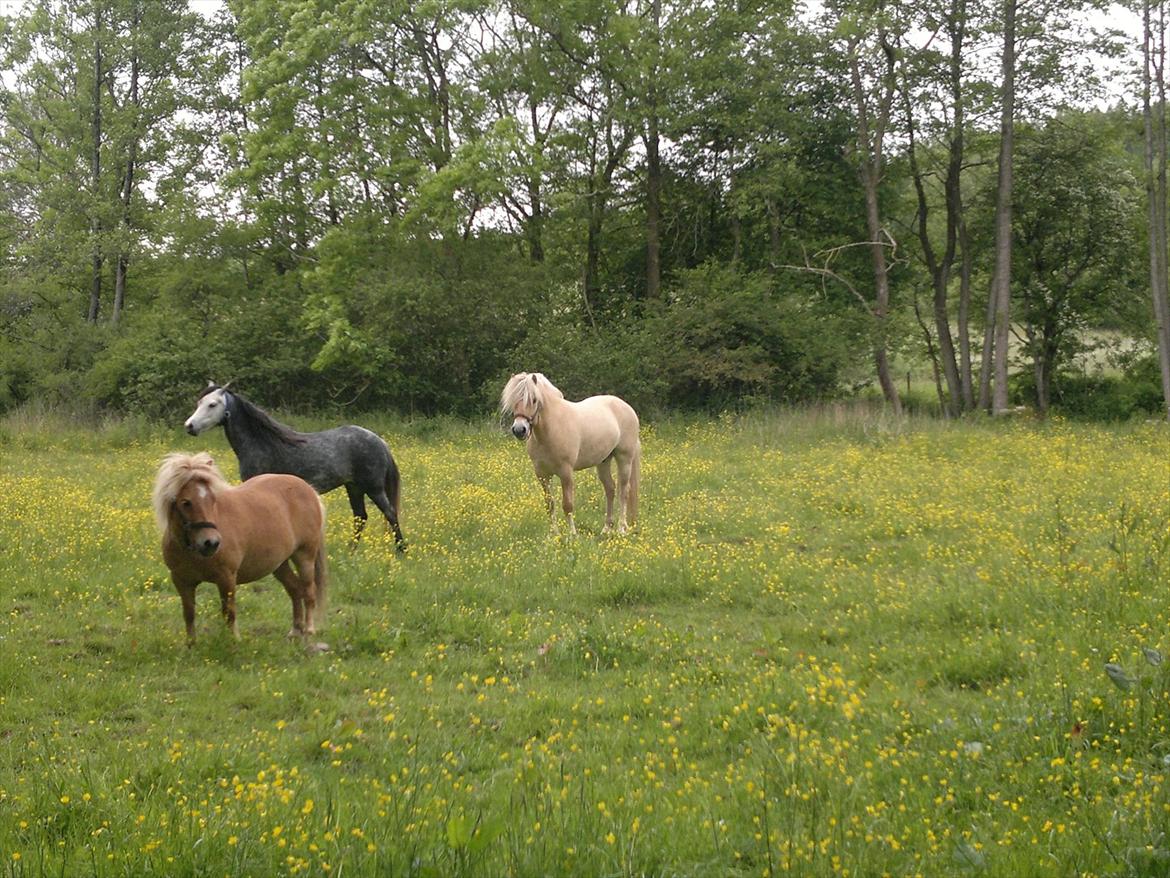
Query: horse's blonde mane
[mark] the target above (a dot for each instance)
(527, 389)
(175, 471)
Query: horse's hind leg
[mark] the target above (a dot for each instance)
(302, 602)
(605, 473)
(625, 468)
(383, 503)
(357, 502)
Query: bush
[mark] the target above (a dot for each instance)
(1099, 397)
(723, 337)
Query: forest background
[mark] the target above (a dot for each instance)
(392, 205)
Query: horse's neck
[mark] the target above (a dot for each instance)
(554, 410)
(252, 444)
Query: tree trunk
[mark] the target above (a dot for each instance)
(988, 346)
(128, 177)
(1042, 381)
(869, 144)
(1002, 285)
(95, 288)
(1155, 172)
(736, 225)
(592, 255)
(653, 171)
(535, 230)
(939, 266)
(959, 383)
(773, 233)
(881, 277)
(964, 318)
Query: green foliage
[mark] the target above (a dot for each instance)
(731, 335)
(204, 327)
(725, 336)
(1135, 392)
(618, 358)
(384, 205)
(415, 323)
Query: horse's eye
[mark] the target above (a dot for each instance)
(185, 503)
(212, 404)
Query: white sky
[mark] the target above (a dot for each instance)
(1116, 16)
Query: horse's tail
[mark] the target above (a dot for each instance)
(321, 572)
(393, 494)
(393, 486)
(635, 478)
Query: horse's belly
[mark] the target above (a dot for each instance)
(258, 564)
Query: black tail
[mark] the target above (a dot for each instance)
(393, 493)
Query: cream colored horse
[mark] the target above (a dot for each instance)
(563, 436)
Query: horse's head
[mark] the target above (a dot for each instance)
(211, 410)
(184, 500)
(193, 512)
(523, 398)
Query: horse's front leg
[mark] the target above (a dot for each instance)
(549, 505)
(227, 602)
(186, 592)
(567, 500)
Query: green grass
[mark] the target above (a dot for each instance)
(838, 643)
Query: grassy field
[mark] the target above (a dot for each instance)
(836, 644)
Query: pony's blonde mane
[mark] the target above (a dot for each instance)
(175, 471)
(527, 389)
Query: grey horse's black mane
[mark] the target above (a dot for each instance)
(255, 419)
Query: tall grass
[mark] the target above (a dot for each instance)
(838, 643)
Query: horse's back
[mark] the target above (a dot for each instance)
(287, 486)
(338, 456)
(601, 408)
(273, 500)
(608, 425)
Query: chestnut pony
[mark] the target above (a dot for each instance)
(563, 436)
(212, 532)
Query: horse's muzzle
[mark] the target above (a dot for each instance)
(521, 427)
(191, 429)
(207, 548)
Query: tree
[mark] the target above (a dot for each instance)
(1073, 227)
(1154, 125)
(939, 89)
(995, 344)
(868, 37)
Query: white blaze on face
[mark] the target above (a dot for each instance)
(208, 413)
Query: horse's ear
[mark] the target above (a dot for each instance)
(210, 383)
(534, 381)
(226, 386)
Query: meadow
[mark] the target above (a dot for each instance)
(836, 644)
